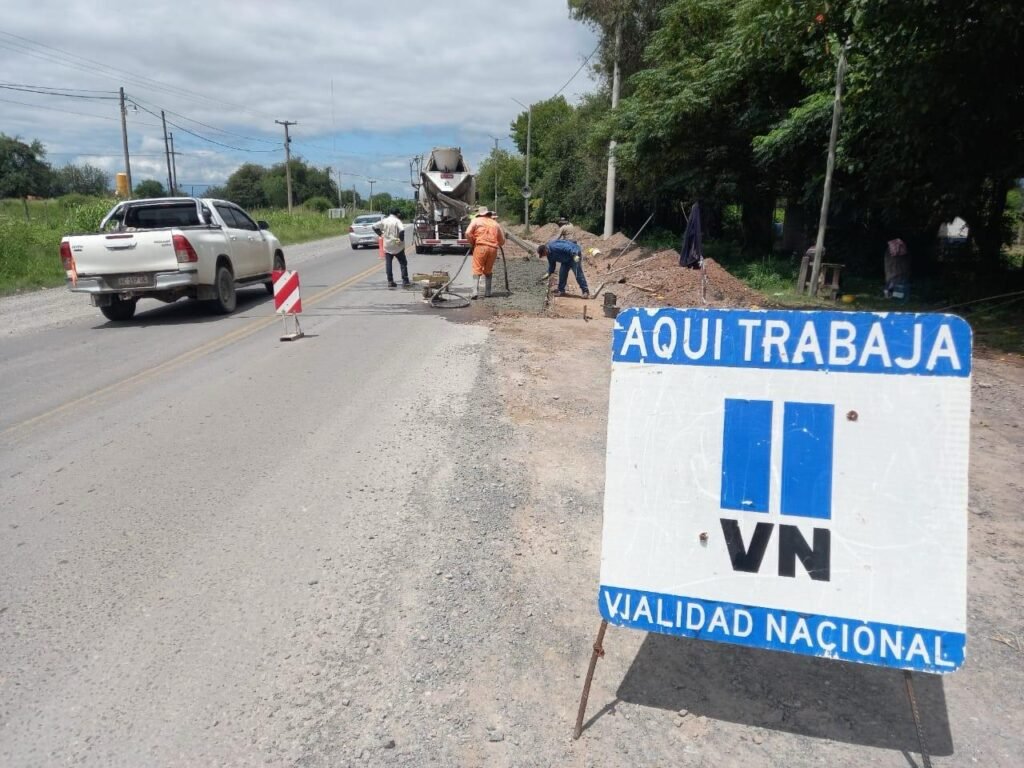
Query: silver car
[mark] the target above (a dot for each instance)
(361, 232)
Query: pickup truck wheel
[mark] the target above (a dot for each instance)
(224, 289)
(278, 267)
(119, 310)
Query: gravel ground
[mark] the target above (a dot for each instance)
(404, 570)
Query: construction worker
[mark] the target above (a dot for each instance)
(569, 256)
(392, 230)
(566, 230)
(485, 235)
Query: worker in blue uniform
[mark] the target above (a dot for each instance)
(569, 258)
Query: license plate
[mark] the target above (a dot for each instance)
(133, 281)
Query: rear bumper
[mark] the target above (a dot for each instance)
(355, 239)
(163, 281)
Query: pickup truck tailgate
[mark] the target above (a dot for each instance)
(124, 252)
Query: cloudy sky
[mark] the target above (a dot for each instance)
(407, 75)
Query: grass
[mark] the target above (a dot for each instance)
(30, 249)
(301, 225)
(998, 323)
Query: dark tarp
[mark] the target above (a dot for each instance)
(692, 252)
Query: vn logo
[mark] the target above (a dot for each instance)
(806, 480)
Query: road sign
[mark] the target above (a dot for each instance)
(286, 292)
(794, 481)
(526, 191)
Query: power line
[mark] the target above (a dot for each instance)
(106, 154)
(577, 71)
(55, 88)
(52, 92)
(199, 136)
(57, 109)
(206, 125)
(82, 63)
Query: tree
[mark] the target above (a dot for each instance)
(150, 188)
(733, 102)
(509, 169)
(640, 18)
(547, 115)
(245, 186)
(23, 170)
(80, 179)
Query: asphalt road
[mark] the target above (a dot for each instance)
(205, 528)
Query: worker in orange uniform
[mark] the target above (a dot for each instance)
(485, 235)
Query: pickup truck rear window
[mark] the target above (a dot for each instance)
(161, 216)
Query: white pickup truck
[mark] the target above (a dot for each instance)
(168, 248)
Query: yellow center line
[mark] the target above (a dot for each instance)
(184, 358)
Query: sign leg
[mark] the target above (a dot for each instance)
(908, 681)
(598, 653)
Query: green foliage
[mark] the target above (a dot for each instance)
(733, 105)
(74, 200)
(639, 19)
(245, 187)
(508, 169)
(567, 163)
(150, 188)
(23, 169)
(30, 250)
(300, 225)
(318, 204)
(406, 207)
(81, 180)
(255, 186)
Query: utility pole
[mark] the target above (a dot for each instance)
(124, 143)
(174, 165)
(527, 192)
(372, 182)
(415, 177)
(287, 158)
(609, 193)
(354, 199)
(496, 140)
(167, 152)
(837, 112)
(340, 204)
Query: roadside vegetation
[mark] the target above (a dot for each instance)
(729, 103)
(29, 247)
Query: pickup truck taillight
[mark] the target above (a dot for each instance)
(183, 250)
(66, 258)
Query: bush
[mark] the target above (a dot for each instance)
(318, 204)
(74, 200)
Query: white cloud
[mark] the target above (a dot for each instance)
(406, 75)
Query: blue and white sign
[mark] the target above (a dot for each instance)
(795, 481)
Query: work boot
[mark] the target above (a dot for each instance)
(487, 287)
(476, 287)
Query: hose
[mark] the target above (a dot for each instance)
(457, 301)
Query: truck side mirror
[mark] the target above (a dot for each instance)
(262, 224)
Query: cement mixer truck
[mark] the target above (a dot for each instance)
(444, 201)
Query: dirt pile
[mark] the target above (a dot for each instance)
(659, 281)
(641, 277)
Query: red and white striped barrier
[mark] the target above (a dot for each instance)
(286, 292)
